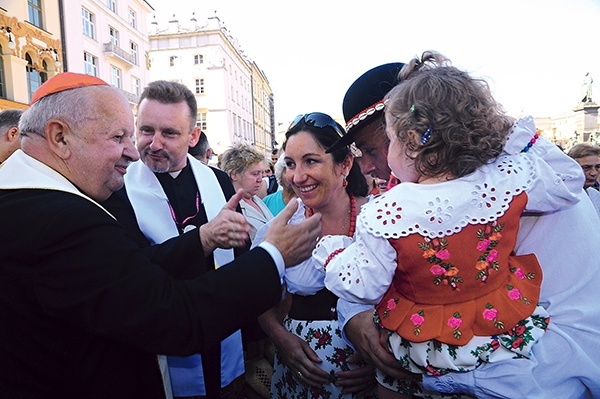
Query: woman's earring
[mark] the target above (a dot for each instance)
(345, 182)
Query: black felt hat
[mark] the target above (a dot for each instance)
(364, 99)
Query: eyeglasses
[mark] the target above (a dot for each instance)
(321, 120)
(318, 120)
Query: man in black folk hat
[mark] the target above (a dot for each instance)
(363, 107)
(365, 124)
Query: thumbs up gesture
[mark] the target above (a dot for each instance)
(228, 229)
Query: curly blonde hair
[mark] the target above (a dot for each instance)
(238, 158)
(468, 128)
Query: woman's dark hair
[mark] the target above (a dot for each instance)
(326, 136)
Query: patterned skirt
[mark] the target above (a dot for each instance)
(324, 337)
(437, 358)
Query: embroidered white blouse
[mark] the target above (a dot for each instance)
(364, 271)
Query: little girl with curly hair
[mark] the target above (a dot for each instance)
(435, 253)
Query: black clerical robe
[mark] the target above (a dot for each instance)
(84, 311)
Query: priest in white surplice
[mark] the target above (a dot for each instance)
(172, 193)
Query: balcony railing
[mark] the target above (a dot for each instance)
(119, 52)
(132, 98)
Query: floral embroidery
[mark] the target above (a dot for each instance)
(432, 371)
(520, 335)
(515, 294)
(339, 357)
(391, 305)
(418, 319)
(435, 251)
(490, 313)
(285, 381)
(540, 322)
(519, 273)
(495, 344)
(322, 337)
(455, 322)
(489, 237)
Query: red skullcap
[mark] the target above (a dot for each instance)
(65, 81)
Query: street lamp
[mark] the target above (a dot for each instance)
(10, 36)
(54, 55)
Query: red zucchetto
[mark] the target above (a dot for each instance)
(65, 81)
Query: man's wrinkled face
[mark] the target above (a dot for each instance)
(373, 143)
(103, 148)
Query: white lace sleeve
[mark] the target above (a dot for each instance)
(558, 163)
(362, 272)
(549, 190)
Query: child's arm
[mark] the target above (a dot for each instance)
(358, 271)
(547, 189)
(553, 163)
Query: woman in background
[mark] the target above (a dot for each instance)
(244, 166)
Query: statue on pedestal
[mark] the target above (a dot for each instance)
(586, 89)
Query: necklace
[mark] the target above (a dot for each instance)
(311, 212)
(182, 225)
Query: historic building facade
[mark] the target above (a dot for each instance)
(235, 100)
(39, 38)
(30, 48)
(108, 39)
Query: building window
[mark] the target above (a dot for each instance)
(34, 78)
(132, 18)
(136, 86)
(172, 60)
(112, 5)
(2, 76)
(88, 23)
(198, 59)
(114, 36)
(199, 86)
(115, 77)
(201, 121)
(90, 64)
(35, 12)
(134, 52)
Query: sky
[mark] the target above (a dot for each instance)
(533, 53)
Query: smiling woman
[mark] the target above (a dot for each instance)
(332, 185)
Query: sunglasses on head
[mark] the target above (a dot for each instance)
(318, 120)
(321, 120)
